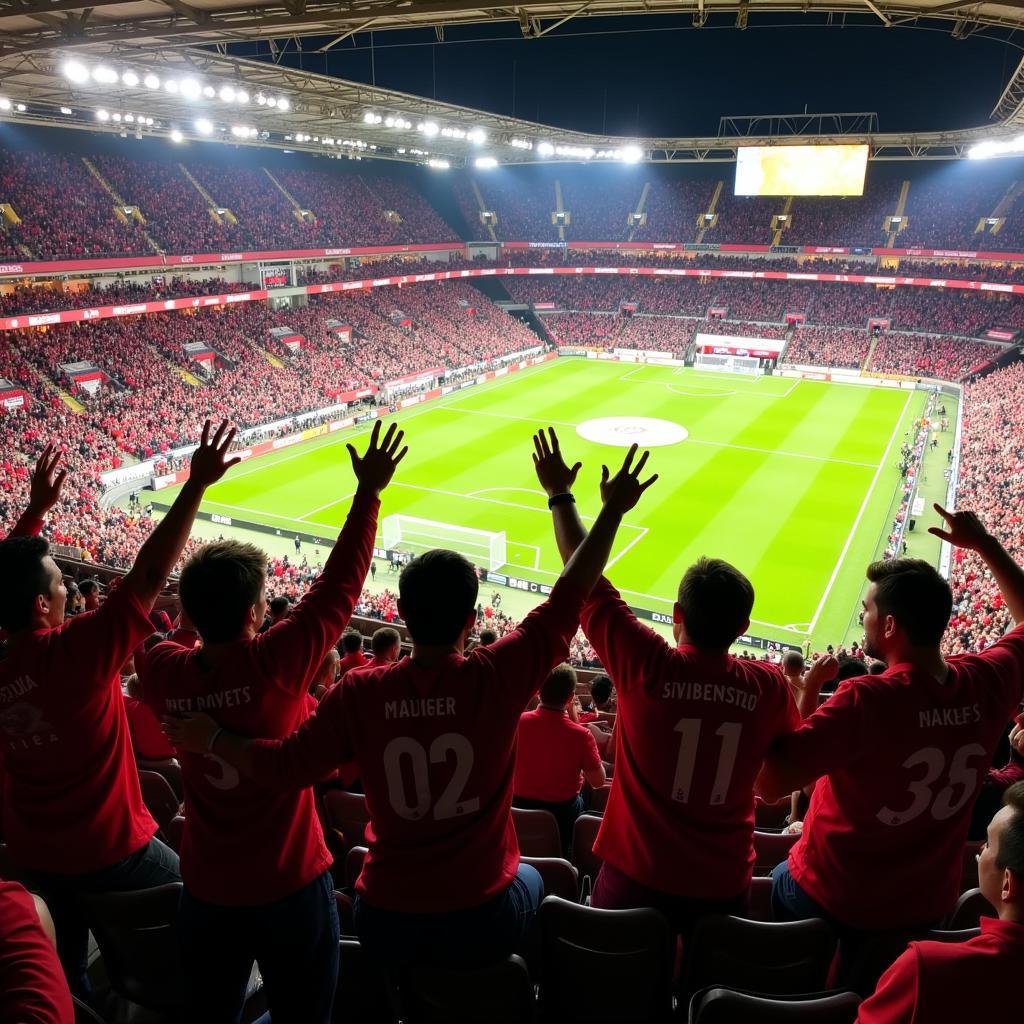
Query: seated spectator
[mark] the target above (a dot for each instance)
(997, 782)
(935, 982)
(870, 806)
(326, 675)
(601, 691)
(487, 637)
(352, 645)
(677, 834)
(90, 590)
(386, 645)
(442, 882)
(278, 607)
(555, 754)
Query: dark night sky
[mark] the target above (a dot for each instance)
(658, 76)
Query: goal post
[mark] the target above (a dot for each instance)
(728, 364)
(409, 533)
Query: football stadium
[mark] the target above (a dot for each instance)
(495, 529)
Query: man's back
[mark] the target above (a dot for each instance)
(553, 752)
(692, 730)
(883, 840)
(72, 802)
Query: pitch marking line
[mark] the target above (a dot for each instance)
(694, 390)
(860, 514)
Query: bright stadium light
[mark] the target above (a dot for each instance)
(209, 92)
(130, 79)
(283, 103)
(171, 85)
(104, 75)
(151, 81)
(20, 107)
(129, 118)
(191, 89)
(545, 149)
(439, 165)
(176, 136)
(102, 115)
(429, 128)
(66, 110)
(5, 103)
(241, 96)
(485, 163)
(116, 118)
(75, 71)
(987, 150)
(227, 94)
(204, 126)
(631, 154)
(476, 136)
(271, 101)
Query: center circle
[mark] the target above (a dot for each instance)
(622, 431)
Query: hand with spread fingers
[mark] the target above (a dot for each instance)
(552, 472)
(622, 491)
(376, 467)
(963, 529)
(46, 482)
(210, 461)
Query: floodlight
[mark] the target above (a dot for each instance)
(104, 75)
(102, 115)
(151, 81)
(75, 71)
(191, 89)
(545, 149)
(485, 163)
(130, 79)
(227, 94)
(176, 136)
(204, 126)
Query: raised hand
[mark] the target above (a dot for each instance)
(209, 460)
(824, 670)
(191, 734)
(552, 472)
(622, 491)
(46, 482)
(375, 469)
(964, 529)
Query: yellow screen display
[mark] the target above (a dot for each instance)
(801, 170)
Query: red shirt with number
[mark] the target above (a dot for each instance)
(692, 730)
(939, 982)
(245, 843)
(436, 749)
(32, 985)
(901, 758)
(553, 754)
(71, 798)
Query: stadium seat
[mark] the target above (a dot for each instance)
(173, 832)
(537, 832)
(501, 994)
(354, 864)
(604, 965)
(969, 876)
(83, 1014)
(760, 900)
(346, 916)
(560, 877)
(597, 799)
(159, 798)
(602, 737)
(727, 1006)
(347, 816)
(768, 815)
(361, 995)
(168, 768)
(584, 835)
(969, 910)
(771, 848)
(771, 958)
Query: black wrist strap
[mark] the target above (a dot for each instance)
(565, 498)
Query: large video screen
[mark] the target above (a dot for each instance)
(801, 170)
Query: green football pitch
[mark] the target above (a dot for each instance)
(792, 481)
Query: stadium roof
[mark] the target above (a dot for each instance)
(184, 46)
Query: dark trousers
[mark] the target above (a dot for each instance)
(864, 956)
(467, 938)
(566, 812)
(152, 865)
(614, 890)
(294, 941)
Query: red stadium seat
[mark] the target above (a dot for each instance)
(560, 877)
(727, 1006)
(173, 832)
(537, 832)
(771, 848)
(969, 910)
(760, 899)
(605, 965)
(354, 864)
(347, 816)
(598, 798)
(362, 995)
(159, 798)
(768, 815)
(969, 877)
(584, 836)
(168, 768)
(501, 994)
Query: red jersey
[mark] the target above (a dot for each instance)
(692, 730)
(148, 741)
(354, 660)
(553, 754)
(435, 748)
(937, 982)
(901, 758)
(245, 843)
(32, 985)
(71, 801)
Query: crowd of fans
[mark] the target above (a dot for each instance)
(841, 347)
(928, 356)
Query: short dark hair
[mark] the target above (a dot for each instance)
(438, 592)
(600, 689)
(1011, 842)
(559, 686)
(90, 586)
(25, 578)
(915, 595)
(793, 661)
(218, 586)
(352, 640)
(384, 639)
(278, 604)
(876, 668)
(488, 637)
(850, 668)
(716, 600)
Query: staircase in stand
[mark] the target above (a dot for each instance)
(900, 207)
(483, 208)
(217, 212)
(638, 212)
(871, 352)
(121, 205)
(702, 227)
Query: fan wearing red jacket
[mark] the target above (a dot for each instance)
(73, 815)
(434, 739)
(692, 726)
(899, 758)
(977, 980)
(253, 859)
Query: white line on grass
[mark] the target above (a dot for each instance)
(636, 540)
(320, 508)
(860, 515)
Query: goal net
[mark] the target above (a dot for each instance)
(481, 547)
(728, 364)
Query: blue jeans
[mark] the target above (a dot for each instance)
(294, 941)
(467, 938)
(152, 865)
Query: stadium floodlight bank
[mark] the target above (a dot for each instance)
(408, 533)
(728, 364)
